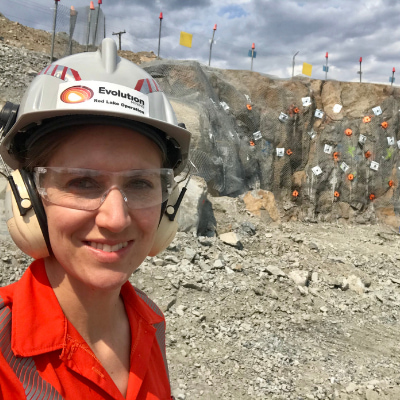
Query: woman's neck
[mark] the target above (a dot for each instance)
(93, 313)
(100, 318)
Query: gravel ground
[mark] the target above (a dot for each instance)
(300, 311)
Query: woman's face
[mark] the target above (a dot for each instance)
(80, 239)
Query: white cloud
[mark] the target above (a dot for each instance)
(346, 29)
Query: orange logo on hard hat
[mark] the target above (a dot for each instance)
(76, 94)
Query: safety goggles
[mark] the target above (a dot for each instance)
(87, 189)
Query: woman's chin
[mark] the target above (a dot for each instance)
(106, 281)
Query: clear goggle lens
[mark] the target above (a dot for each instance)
(86, 189)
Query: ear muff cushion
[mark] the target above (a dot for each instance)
(166, 229)
(26, 231)
(37, 205)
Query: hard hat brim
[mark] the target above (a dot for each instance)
(181, 135)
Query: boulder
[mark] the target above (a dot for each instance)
(193, 207)
(262, 204)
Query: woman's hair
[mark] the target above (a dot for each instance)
(40, 152)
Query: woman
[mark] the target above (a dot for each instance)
(93, 194)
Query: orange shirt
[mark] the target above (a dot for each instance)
(41, 332)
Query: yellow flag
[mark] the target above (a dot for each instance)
(307, 69)
(186, 39)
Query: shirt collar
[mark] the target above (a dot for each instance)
(38, 322)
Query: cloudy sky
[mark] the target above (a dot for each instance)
(346, 29)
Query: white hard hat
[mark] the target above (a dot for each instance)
(93, 87)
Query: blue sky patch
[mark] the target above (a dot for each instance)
(233, 11)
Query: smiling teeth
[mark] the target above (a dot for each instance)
(107, 248)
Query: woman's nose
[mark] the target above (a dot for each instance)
(113, 214)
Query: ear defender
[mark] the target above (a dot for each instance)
(24, 212)
(8, 115)
(25, 215)
(167, 228)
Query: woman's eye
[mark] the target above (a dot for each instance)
(138, 184)
(82, 184)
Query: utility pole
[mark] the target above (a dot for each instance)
(91, 8)
(54, 30)
(159, 35)
(326, 66)
(119, 37)
(253, 46)
(295, 54)
(72, 22)
(360, 72)
(212, 41)
(97, 22)
(392, 78)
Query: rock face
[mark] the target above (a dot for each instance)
(333, 155)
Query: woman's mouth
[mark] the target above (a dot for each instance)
(106, 247)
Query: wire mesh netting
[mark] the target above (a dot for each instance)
(321, 158)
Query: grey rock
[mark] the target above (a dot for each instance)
(218, 264)
(300, 277)
(189, 253)
(371, 394)
(232, 239)
(274, 270)
(189, 285)
(355, 284)
(171, 258)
